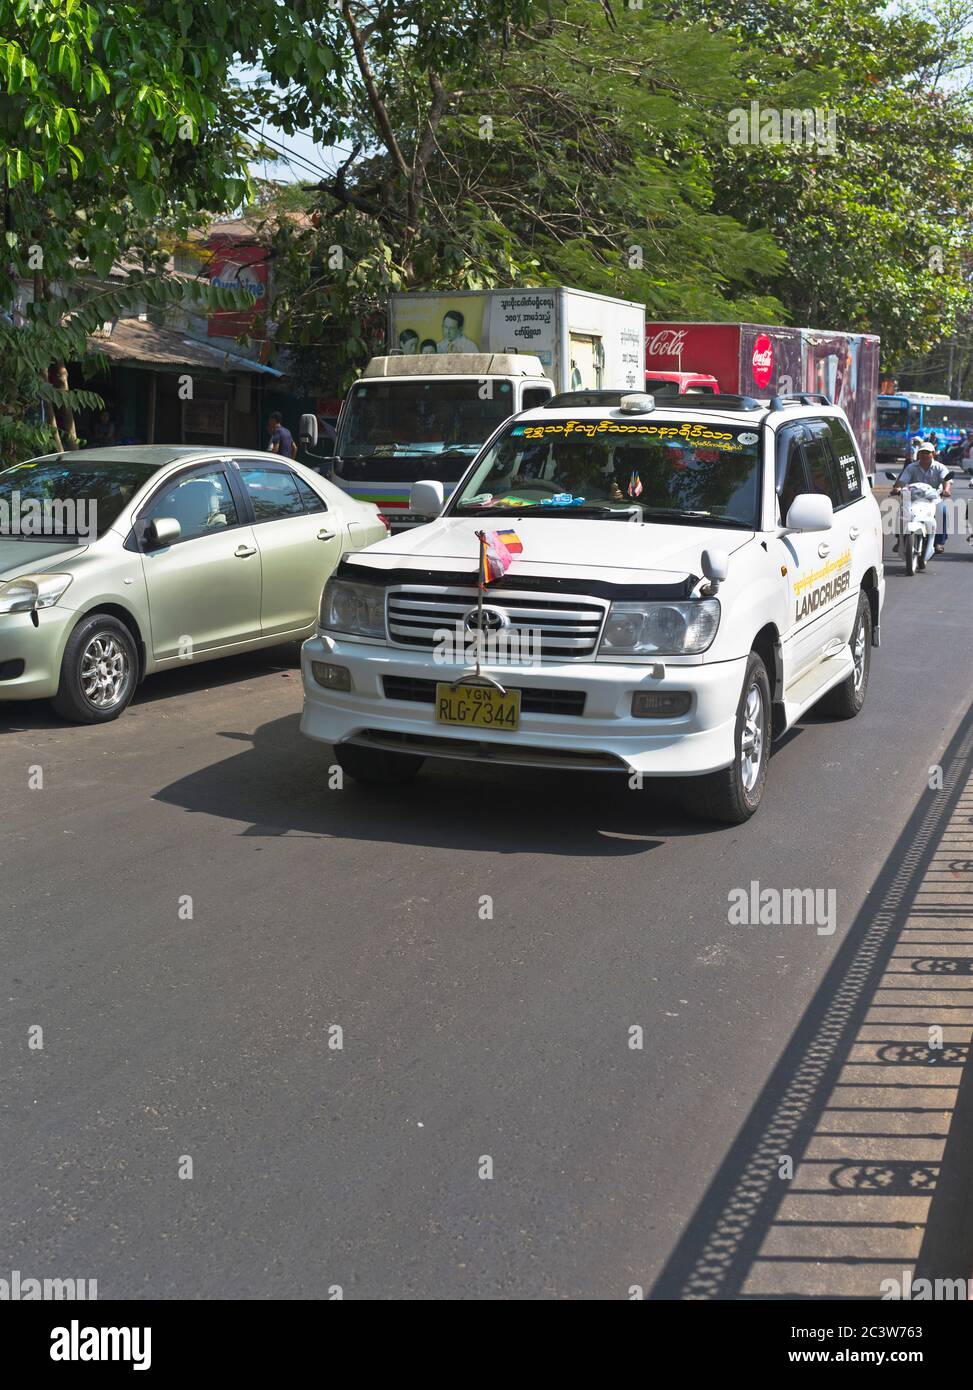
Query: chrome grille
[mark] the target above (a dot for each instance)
(563, 627)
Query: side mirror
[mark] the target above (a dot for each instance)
(714, 564)
(308, 429)
(163, 531)
(426, 498)
(810, 511)
(891, 476)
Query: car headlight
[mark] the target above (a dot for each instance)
(32, 591)
(662, 629)
(356, 609)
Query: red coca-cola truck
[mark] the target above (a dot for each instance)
(751, 359)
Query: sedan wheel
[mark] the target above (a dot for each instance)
(106, 671)
(99, 671)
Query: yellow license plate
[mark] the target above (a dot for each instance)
(478, 706)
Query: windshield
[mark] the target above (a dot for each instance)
(396, 418)
(75, 498)
(671, 469)
(893, 417)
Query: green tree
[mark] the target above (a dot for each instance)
(570, 146)
(873, 225)
(119, 119)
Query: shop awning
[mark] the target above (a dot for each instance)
(136, 343)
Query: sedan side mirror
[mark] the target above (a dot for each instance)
(810, 511)
(426, 498)
(163, 531)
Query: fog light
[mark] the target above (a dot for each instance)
(331, 677)
(660, 704)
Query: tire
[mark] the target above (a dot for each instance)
(847, 699)
(99, 671)
(730, 796)
(921, 553)
(910, 554)
(376, 764)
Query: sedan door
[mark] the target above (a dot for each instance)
(204, 589)
(300, 542)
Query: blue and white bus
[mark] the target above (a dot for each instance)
(902, 416)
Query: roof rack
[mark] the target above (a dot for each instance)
(800, 398)
(727, 402)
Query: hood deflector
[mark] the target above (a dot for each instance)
(599, 588)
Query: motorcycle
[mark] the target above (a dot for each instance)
(918, 522)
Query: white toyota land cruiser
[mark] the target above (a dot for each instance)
(686, 581)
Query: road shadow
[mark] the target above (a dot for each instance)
(876, 1122)
(282, 783)
(26, 716)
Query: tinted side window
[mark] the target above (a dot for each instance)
(273, 493)
(312, 502)
(820, 467)
(849, 473)
(791, 478)
(535, 396)
(201, 502)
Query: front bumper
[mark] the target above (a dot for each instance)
(605, 737)
(30, 657)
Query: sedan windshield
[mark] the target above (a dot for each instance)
(74, 498)
(671, 469)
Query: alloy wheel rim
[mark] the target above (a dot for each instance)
(752, 739)
(858, 655)
(105, 671)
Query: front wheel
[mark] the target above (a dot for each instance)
(911, 546)
(844, 701)
(99, 671)
(731, 795)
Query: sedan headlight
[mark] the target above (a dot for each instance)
(356, 609)
(32, 591)
(660, 629)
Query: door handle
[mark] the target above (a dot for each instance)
(242, 551)
(853, 532)
(824, 549)
(327, 535)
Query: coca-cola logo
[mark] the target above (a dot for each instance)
(668, 342)
(762, 361)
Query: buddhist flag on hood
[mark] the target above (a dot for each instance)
(496, 554)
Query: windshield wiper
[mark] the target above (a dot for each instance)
(710, 518)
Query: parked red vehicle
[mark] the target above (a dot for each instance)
(681, 384)
(751, 359)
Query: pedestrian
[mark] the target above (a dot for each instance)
(281, 440)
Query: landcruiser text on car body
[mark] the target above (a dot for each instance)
(691, 579)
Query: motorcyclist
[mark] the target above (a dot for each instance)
(927, 470)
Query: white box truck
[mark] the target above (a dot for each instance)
(460, 363)
(584, 341)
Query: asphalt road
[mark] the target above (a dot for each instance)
(465, 1036)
